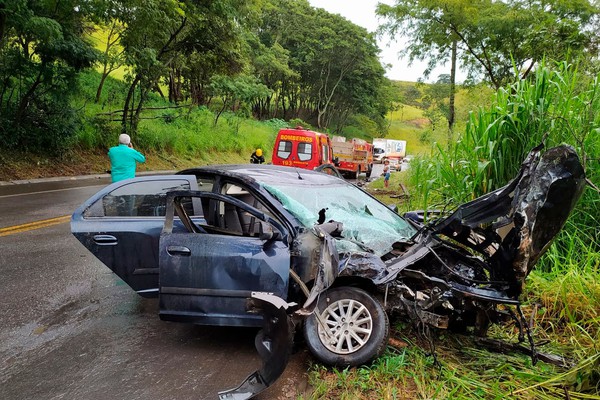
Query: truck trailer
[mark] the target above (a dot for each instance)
(389, 149)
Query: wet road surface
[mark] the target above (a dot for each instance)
(70, 329)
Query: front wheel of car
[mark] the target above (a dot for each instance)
(348, 328)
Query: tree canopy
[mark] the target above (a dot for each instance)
(272, 58)
(499, 41)
(267, 59)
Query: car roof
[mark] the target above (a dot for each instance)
(268, 174)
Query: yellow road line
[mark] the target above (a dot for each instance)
(33, 225)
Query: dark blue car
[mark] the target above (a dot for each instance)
(281, 248)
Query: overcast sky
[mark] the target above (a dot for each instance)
(362, 12)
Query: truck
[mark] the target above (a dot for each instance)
(389, 149)
(352, 157)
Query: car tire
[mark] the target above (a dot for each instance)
(365, 334)
(356, 173)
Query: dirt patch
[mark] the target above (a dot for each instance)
(419, 123)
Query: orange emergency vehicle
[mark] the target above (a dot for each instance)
(302, 148)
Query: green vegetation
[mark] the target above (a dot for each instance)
(185, 133)
(236, 57)
(501, 40)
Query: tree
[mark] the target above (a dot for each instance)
(499, 40)
(235, 91)
(153, 30)
(113, 57)
(41, 52)
(328, 67)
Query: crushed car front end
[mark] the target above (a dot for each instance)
(462, 272)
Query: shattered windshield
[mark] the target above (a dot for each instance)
(365, 220)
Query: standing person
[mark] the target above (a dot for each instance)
(123, 159)
(257, 157)
(386, 173)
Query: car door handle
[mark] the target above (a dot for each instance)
(178, 251)
(105, 240)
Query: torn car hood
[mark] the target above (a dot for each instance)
(514, 225)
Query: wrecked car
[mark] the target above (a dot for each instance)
(285, 249)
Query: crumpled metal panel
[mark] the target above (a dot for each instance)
(532, 208)
(328, 266)
(543, 205)
(273, 344)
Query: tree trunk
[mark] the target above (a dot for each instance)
(135, 119)
(128, 103)
(24, 103)
(112, 39)
(100, 86)
(451, 110)
(225, 101)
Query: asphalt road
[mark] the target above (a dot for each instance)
(70, 329)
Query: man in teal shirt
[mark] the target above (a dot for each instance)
(123, 159)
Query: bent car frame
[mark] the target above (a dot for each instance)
(286, 249)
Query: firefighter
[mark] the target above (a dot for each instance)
(257, 157)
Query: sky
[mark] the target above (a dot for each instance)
(362, 13)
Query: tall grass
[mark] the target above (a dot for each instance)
(561, 103)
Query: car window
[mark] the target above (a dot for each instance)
(137, 199)
(205, 184)
(325, 155)
(222, 217)
(304, 151)
(365, 220)
(230, 219)
(284, 149)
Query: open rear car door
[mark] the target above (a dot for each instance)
(121, 226)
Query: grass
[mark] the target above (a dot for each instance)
(185, 132)
(462, 369)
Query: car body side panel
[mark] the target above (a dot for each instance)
(210, 283)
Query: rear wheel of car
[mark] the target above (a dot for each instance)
(353, 328)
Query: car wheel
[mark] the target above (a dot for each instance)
(354, 328)
(357, 173)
